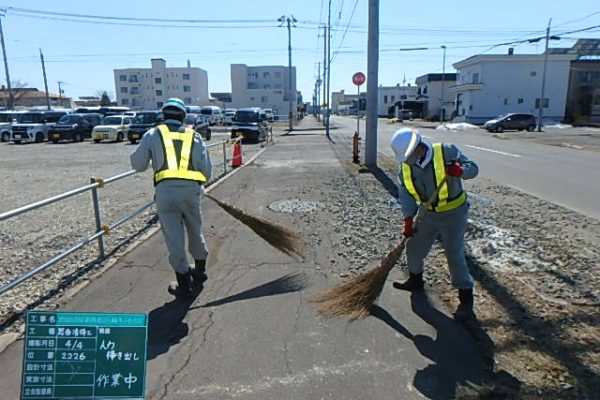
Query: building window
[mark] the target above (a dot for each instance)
(187, 100)
(159, 92)
(133, 78)
(520, 100)
(277, 74)
(264, 99)
(546, 102)
(157, 80)
(532, 73)
(265, 74)
(186, 77)
(134, 90)
(505, 101)
(159, 104)
(425, 90)
(596, 100)
(403, 97)
(267, 87)
(392, 99)
(123, 78)
(124, 102)
(252, 98)
(384, 99)
(476, 77)
(124, 89)
(187, 88)
(278, 86)
(585, 76)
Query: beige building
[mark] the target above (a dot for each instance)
(264, 87)
(149, 88)
(31, 97)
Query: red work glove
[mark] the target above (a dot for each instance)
(454, 169)
(408, 227)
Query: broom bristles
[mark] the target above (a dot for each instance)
(283, 239)
(356, 297)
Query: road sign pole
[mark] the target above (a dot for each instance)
(358, 111)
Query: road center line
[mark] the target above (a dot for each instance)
(494, 151)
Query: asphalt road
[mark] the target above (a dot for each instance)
(533, 163)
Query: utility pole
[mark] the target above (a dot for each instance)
(442, 109)
(45, 80)
(372, 82)
(292, 94)
(328, 110)
(319, 81)
(10, 101)
(60, 92)
(324, 70)
(541, 103)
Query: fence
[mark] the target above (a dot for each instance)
(101, 230)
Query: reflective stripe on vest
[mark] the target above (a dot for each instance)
(174, 169)
(442, 204)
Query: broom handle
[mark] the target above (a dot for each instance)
(396, 252)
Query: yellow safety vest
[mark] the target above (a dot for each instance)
(174, 169)
(439, 168)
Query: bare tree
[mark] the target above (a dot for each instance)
(17, 93)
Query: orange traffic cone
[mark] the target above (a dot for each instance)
(236, 161)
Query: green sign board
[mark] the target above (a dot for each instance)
(84, 355)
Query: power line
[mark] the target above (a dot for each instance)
(346, 31)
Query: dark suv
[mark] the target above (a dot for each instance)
(250, 124)
(511, 121)
(75, 127)
(143, 121)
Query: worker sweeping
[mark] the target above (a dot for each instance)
(181, 167)
(423, 166)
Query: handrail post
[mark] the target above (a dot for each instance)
(97, 217)
(224, 157)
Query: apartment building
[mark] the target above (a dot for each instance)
(393, 101)
(264, 87)
(149, 88)
(430, 89)
(488, 85)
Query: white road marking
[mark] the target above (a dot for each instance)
(493, 151)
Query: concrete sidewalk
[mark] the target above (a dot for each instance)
(251, 333)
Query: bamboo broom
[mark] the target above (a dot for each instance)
(355, 297)
(283, 239)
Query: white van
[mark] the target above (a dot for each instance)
(213, 113)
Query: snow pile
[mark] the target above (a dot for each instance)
(459, 126)
(557, 125)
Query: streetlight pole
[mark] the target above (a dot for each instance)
(290, 21)
(541, 103)
(442, 109)
(45, 80)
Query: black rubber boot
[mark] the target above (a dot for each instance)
(414, 282)
(199, 271)
(464, 311)
(182, 287)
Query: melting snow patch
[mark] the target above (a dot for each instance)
(459, 126)
(501, 249)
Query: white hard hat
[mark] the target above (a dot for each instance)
(404, 142)
(175, 103)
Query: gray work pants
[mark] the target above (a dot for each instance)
(179, 206)
(451, 226)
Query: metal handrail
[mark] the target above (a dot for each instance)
(101, 230)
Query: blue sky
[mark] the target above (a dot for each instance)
(83, 54)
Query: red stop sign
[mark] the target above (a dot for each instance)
(358, 78)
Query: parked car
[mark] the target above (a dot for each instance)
(33, 126)
(228, 116)
(269, 114)
(112, 127)
(143, 121)
(516, 121)
(6, 121)
(250, 124)
(75, 127)
(214, 114)
(190, 119)
(202, 126)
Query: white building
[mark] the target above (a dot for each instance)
(342, 103)
(149, 88)
(429, 91)
(264, 87)
(490, 85)
(390, 99)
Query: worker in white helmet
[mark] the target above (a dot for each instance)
(422, 168)
(181, 167)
